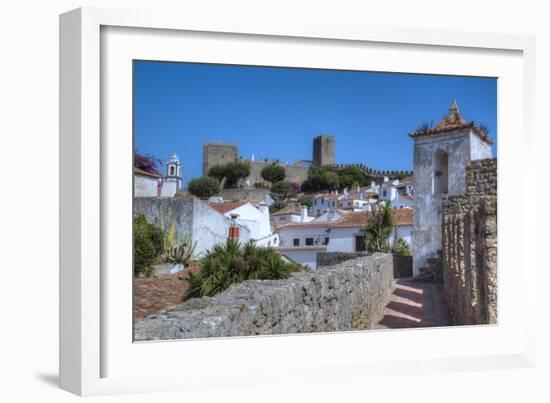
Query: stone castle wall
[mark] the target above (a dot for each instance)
(217, 154)
(346, 296)
(469, 247)
(294, 173)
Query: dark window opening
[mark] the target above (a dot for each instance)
(296, 242)
(360, 243)
(309, 241)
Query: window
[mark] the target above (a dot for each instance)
(309, 241)
(326, 241)
(360, 243)
(171, 171)
(440, 177)
(296, 242)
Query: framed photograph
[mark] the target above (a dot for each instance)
(256, 194)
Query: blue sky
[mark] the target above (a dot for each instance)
(276, 112)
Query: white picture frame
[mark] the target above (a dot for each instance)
(87, 343)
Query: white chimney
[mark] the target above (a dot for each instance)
(266, 224)
(372, 184)
(386, 179)
(303, 215)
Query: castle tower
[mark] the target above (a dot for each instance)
(441, 154)
(214, 153)
(323, 150)
(173, 178)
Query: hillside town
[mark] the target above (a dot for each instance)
(265, 219)
(297, 224)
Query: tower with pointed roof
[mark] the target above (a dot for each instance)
(173, 178)
(441, 154)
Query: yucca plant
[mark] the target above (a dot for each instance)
(231, 263)
(378, 228)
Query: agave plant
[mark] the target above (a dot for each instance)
(180, 249)
(231, 263)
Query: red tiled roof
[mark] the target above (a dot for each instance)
(452, 122)
(402, 216)
(225, 207)
(139, 171)
(289, 209)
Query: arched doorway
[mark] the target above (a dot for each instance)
(441, 172)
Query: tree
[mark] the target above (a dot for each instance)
(378, 228)
(232, 172)
(204, 186)
(350, 176)
(281, 188)
(217, 171)
(273, 173)
(146, 162)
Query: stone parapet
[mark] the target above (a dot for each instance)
(347, 296)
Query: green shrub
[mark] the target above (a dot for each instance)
(148, 246)
(204, 186)
(232, 263)
(401, 247)
(278, 205)
(281, 188)
(273, 173)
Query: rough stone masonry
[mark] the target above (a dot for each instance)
(469, 238)
(347, 296)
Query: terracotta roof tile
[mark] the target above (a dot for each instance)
(225, 207)
(402, 216)
(289, 209)
(139, 171)
(452, 122)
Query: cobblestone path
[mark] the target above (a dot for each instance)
(415, 304)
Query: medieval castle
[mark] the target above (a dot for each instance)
(216, 153)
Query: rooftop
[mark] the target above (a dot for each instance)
(452, 122)
(228, 206)
(402, 216)
(139, 171)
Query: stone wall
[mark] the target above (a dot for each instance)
(332, 258)
(402, 266)
(469, 247)
(347, 296)
(293, 172)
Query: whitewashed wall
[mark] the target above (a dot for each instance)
(145, 186)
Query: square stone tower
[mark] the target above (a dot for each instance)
(214, 153)
(323, 150)
(440, 157)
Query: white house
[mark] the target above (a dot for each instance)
(335, 231)
(191, 217)
(147, 184)
(292, 213)
(325, 201)
(255, 218)
(153, 184)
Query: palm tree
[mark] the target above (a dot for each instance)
(378, 228)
